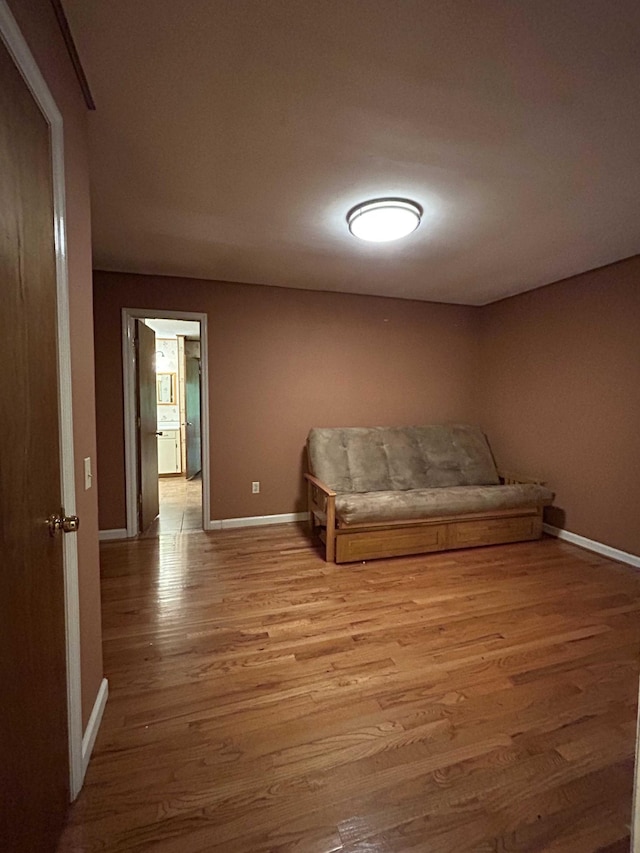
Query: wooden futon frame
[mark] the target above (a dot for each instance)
(346, 543)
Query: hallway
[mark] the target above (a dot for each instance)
(180, 506)
(264, 701)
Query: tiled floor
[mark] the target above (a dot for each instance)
(180, 506)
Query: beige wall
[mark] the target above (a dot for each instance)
(280, 362)
(39, 27)
(560, 396)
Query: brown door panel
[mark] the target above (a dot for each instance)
(193, 417)
(148, 425)
(34, 782)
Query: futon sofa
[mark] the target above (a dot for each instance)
(391, 491)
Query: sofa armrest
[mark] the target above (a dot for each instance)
(320, 485)
(508, 478)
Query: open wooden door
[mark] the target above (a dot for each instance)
(34, 786)
(146, 395)
(193, 417)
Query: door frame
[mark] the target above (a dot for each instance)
(23, 58)
(129, 316)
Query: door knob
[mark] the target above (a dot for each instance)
(64, 523)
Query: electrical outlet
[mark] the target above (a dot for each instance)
(88, 476)
(255, 487)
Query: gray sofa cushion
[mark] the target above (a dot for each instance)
(372, 459)
(428, 503)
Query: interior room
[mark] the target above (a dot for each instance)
(218, 657)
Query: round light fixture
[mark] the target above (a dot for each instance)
(384, 219)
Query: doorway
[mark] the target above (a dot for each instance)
(178, 401)
(166, 421)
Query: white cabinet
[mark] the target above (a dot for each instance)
(169, 452)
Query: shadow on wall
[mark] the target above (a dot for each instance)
(301, 499)
(555, 516)
(302, 505)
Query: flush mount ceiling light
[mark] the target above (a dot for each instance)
(384, 219)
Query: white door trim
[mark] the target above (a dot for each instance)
(635, 802)
(129, 316)
(23, 58)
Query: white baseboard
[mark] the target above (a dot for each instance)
(257, 520)
(89, 737)
(592, 545)
(117, 533)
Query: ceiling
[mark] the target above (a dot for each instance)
(172, 328)
(231, 137)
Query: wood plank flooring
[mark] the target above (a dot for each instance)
(263, 700)
(180, 503)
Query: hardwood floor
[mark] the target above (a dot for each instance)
(180, 506)
(264, 700)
